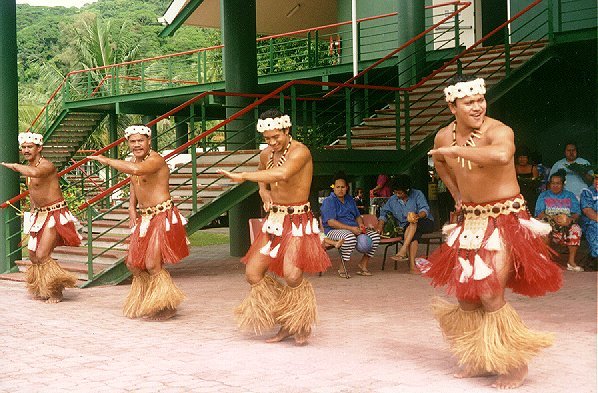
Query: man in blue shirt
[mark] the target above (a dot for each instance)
(574, 182)
(411, 211)
(341, 220)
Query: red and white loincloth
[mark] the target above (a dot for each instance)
(465, 263)
(55, 215)
(290, 233)
(161, 224)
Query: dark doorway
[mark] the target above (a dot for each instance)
(494, 13)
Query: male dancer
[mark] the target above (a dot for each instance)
(289, 243)
(495, 244)
(51, 224)
(158, 230)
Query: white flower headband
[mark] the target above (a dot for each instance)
(277, 123)
(30, 137)
(142, 130)
(463, 89)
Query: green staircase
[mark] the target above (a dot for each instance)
(334, 119)
(73, 129)
(427, 109)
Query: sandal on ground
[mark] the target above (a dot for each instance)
(343, 274)
(399, 258)
(572, 268)
(363, 272)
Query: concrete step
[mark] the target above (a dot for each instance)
(79, 269)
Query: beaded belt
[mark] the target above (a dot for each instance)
(296, 209)
(51, 208)
(153, 210)
(514, 205)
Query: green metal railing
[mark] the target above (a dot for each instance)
(318, 118)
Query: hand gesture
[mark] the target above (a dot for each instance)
(236, 177)
(9, 165)
(412, 217)
(562, 219)
(266, 199)
(100, 158)
(447, 151)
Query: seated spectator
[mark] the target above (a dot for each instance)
(383, 188)
(577, 169)
(527, 177)
(342, 221)
(561, 209)
(589, 220)
(412, 213)
(360, 200)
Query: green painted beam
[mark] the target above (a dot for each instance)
(115, 274)
(148, 95)
(180, 18)
(356, 162)
(119, 272)
(520, 74)
(9, 116)
(223, 203)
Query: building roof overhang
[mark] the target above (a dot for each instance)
(272, 16)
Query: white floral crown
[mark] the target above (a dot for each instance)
(462, 89)
(276, 123)
(30, 137)
(143, 130)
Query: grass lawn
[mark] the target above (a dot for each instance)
(208, 238)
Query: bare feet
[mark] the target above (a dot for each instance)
(301, 338)
(400, 258)
(363, 271)
(55, 298)
(343, 274)
(161, 315)
(339, 243)
(280, 336)
(471, 374)
(512, 380)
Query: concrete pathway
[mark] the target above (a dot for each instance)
(375, 334)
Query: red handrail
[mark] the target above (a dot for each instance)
(475, 44)
(238, 114)
(149, 124)
(189, 52)
(411, 41)
(88, 176)
(313, 83)
(272, 94)
(324, 27)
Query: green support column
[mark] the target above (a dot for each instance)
(146, 119)
(182, 130)
(113, 153)
(411, 22)
(9, 116)
(240, 75)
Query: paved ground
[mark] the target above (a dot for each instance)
(375, 334)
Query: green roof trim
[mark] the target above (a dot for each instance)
(180, 18)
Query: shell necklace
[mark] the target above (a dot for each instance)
(283, 157)
(469, 142)
(27, 179)
(281, 160)
(144, 158)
